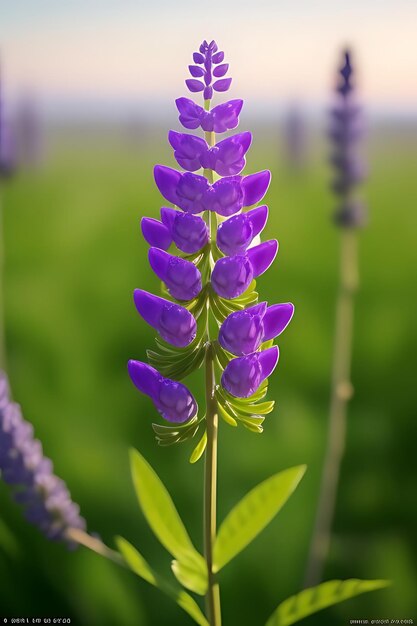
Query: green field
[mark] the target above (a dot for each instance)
(74, 254)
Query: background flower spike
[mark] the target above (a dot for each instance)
(155, 233)
(173, 322)
(262, 256)
(181, 277)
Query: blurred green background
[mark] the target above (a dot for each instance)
(74, 254)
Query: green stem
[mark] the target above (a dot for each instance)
(2, 331)
(341, 393)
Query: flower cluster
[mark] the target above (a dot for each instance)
(345, 131)
(45, 497)
(204, 252)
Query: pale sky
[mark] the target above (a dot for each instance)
(279, 50)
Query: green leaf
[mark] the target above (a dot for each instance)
(141, 568)
(189, 577)
(162, 516)
(246, 520)
(199, 449)
(317, 598)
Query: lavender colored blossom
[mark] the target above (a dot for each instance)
(232, 275)
(188, 232)
(227, 157)
(204, 72)
(243, 375)
(221, 118)
(172, 399)
(244, 331)
(7, 145)
(345, 131)
(193, 193)
(181, 277)
(45, 497)
(173, 322)
(235, 235)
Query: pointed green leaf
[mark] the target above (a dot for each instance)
(141, 568)
(246, 520)
(189, 577)
(161, 514)
(199, 449)
(317, 598)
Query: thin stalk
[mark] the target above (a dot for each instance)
(94, 544)
(341, 393)
(2, 330)
(213, 609)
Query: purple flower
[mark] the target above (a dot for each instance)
(45, 497)
(7, 145)
(244, 331)
(243, 375)
(227, 157)
(235, 235)
(232, 275)
(181, 277)
(173, 322)
(172, 399)
(193, 193)
(345, 130)
(221, 118)
(207, 57)
(188, 232)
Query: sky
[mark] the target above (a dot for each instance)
(114, 51)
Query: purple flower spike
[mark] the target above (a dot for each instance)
(232, 275)
(46, 498)
(243, 375)
(206, 57)
(221, 118)
(189, 232)
(155, 233)
(173, 322)
(181, 277)
(244, 331)
(172, 399)
(236, 234)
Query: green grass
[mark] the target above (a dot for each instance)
(74, 254)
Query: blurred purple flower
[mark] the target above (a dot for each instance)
(172, 399)
(173, 322)
(45, 497)
(244, 331)
(7, 144)
(243, 375)
(232, 275)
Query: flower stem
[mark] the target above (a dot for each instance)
(2, 331)
(341, 393)
(210, 492)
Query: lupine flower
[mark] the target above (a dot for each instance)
(236, 234)
(194, 194)
(243, 375)
(244, 331)
(221, 118)
(172, 399)
(232, 275)
(346, 129)
(206, 58)
(227, 157)
(7, 146)
(181, 277)
(173, 322)
(45, 497)
(188, 232)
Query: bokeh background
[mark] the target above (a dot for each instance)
(95, 85)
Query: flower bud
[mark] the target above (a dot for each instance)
(182, 278)
(173, 322)
(172, 399)
(243, 375)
